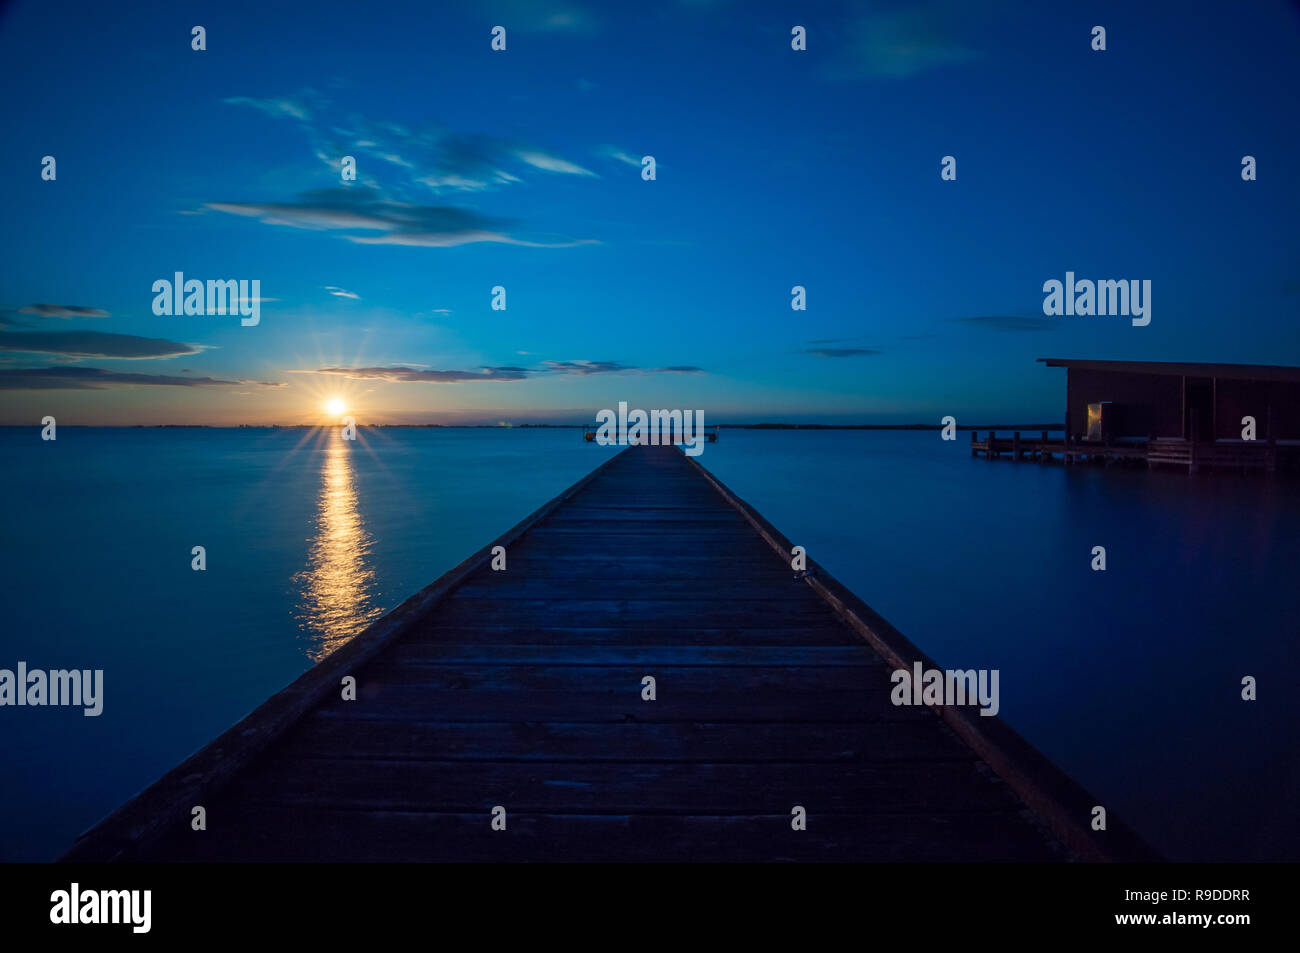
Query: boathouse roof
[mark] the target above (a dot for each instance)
(1257, 372)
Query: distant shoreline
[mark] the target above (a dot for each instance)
(762, 426)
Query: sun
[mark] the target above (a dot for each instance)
(335, 406)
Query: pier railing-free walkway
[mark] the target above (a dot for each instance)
(503, 715)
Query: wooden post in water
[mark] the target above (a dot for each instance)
(1195, 435)
(974, 437)
(1015, 445)
(1065, 443)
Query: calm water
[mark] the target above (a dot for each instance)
(1129, 679)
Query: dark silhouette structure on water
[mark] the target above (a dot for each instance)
(1143, 399)
(1220, 416)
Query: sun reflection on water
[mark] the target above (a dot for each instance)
(337, 587)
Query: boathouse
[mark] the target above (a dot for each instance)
(1219, 416)
(1118, 400)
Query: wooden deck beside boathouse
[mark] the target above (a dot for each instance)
(1190, 455)
(523, 689)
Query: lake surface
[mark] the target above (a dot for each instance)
(1130, 679)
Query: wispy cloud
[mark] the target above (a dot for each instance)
(463, 162)
(92, 344)
(459, 182)
(584, 368)
(95, 378)
(1007, 322)
(409, 162)
(400, 223)
(451, 239)
(419, 375)
(618, 155)
(274, 107)
(342, 293)
(425, 375)
(63, 311)
(550, 163)
(903, 42)
(842, 351)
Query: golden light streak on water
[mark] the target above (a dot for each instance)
(337, 587)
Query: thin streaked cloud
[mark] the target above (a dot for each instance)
(408, 161)
(405, 373)
(550, 163)
(63, 311)
(618, 155)
(96, 378)
(586, 368)
(348, 211)
(93, 344)
(842, 351)
(291, 108)
(420, 375)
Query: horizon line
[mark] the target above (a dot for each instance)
(769, 425)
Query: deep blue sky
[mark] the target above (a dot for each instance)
(776, 168)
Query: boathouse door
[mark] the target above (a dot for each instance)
(1198, 408)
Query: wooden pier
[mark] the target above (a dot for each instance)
(523, 690)
(1192, 455)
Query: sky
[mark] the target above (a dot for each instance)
(522, 169)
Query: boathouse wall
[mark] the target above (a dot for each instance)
(1275, 405)
(1162, 403)
(1142, 405)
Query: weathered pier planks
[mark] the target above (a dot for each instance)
(523, 690)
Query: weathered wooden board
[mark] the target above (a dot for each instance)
(343, 734)
(635, 631)
(583, 787)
